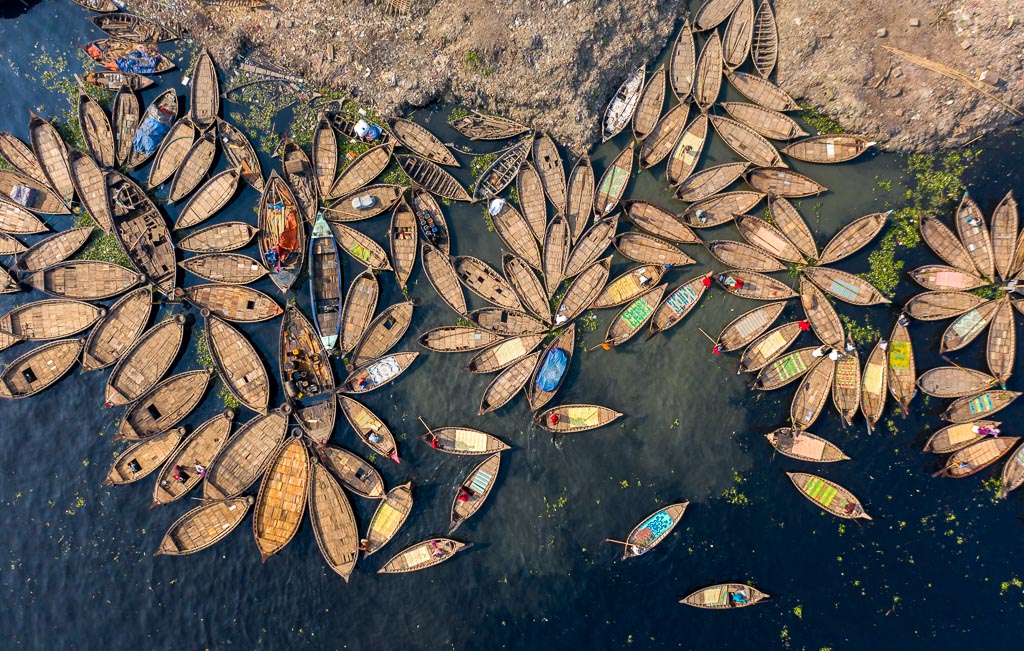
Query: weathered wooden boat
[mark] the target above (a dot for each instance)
(957, 437)
(853, 237)
(211, 197)
(977, 457)
(325, 283)
(713, 13)
(52, 154)
(761, 91)
(423, 555)
(967, 327)
(768, 346)
(754, 285)
(334, 523)
(827, 148)
(378, 372)
(846, 386)
(632, 318)
(954, 381)
(528, 288)
(583, 291)
(507, 384)
(977, 406)
(739, 35)
(822, 316)
(622, 105)
(481, 279)
(282, 239)
(428, 175)
(828, 495)
(747, 143)
(743, 256)
(571, 418)
(557, 244)
(358, 309)
(503, 354)
(204, 92)
(125, 116)
(945, 244)
(648, 249)
(683, 160)
(21, 158)
(39, 368)
(707, 81)
(613, 182)
(55, 318)
(874, 386)
(782, 182)
(240, 153)
(443, 278)
(530, 196)
(141, 459)
(116, 332)
(664, 136)
(463, 441)
(236, 303)
(457, 339)
(91, 188)
(1004, 236)
(937, 306)
(749, 326)
(580, 199)
(354, 472)
(96, 130)
(1001, 350)
(474, 490)
(181, 471)
(85, 280)
(679, 303)
(799, 444)
(509, 323)
(145, 362)
(403, 240)
(204, 526)
(112, 53)
(785, 369)
(844, 286)
(228, 236)
(652, 100)
(1013, 473)
(305, 371)
(433, 226)
(793, 226)
(421, 141)
(547, 378)
(246, 456)
(281, 502)
(970, 226)
(142, 232)
(360, 247)
(503, 170)
(710, 181)
(683, 63)
(629, 285)
(383, 333)
(325, 154)
(480, 126)
(902, 372)
(517, 234)
(226, 268)
(724, 596)
(720, 208)
(301, 177)
(153, 128)
(766, 122)
(238, 364)
(660, 222)
(164, 405)
(10, 246)
(764, 46)
(8, 284)
(52, 250)
(389, 517)
(766, 237)
(31, 194)
(131, 27)
(548, 164)
(591, 245)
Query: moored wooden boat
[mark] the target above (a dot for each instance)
(977, 406)
(803, 445)
(421, 141)
(783, 182)
(827, 148)
(710, 181)
(463, 441)
(938, 306)
(164, 405)
(823, 317)
(325, 154)
(1001, 349)
(503, 170)
(507, 322)
(204, 91)
(39, 369)
(240, 153)
(970, 226)
(580, 199)
(633, 317)
(768, 123)
(844, 286)
(96, 130)
(724, 596)
(474, 490)
(86, 280)
(527, 286)
(204, 526)
(967, 327)
(768, 346)
(402, 236)
(874, 386)
(430, 219)
(457, 339)
(793, 226)
(749, 326)
(902, 372)
(52, 250)
(301, 177)
(622, 105)
(145, 362)
(663, 137)
(853, 237)
(137, 461)
(389, 517)
(1013, 473)
(153, 128)
(765, 236)
(739, 33)
(747, 143)
(236, 303)
(954, 381)
(383, 333)
(707, 81)
(360, 247)
(828, 495)
(761, 91)
(516, 233)
(648, 249)
(20, 156)
(354, 472)
(764, 47)
(713, 13)
(481, 279)
(218, 238)
(305, 371)
(503, 354)
(977, 457)
(55, 318)
(591, 245)
(552, 368)
(180, 472)
(683, 160)
(720, 208)
(128, 27)
(211, 197)
(116, 332)
(325, 283)
(660, 222)
(423, 555)
(246, 456)
(430, 176)
(743, 256)
(31, 194)
(507, 383)
(583, 291)
(653, 529)
(785, 369)
(613, 182)
(281, 502)
(52, 154)
(378, 372)
(571, 418)
(680, 302)
(238, 364)
(125, 116)
(548, 163)
(334, 523)
(481, 126)
(750, 284)
(142, 232)
(846, 387)
(358, 309)
(443, 278)
(957, 437)
(629, 285)
(652, 100)
(91, 189)
(683, 62)
(1004, 236)
(226, 268)
(282, 237)
(557, 244)
(945, 244)
(530, 196)
(370, 429)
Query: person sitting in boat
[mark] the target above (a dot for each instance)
(903, 320)
(883, 344)
(200, 470)
(364, 544)
(638, 551)
(434, 443)
(179, 474)
(701, 215)
(739, 597)
(364, 383)
(374, 437)
(436, 551)
(835, 355)
(974, 220)
(819, 351)
(985, 430)
(641, 278)
(555, 419)
(463, 495)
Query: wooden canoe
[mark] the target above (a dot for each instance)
(403, 239)
(516, 233)
(1004, 236)
(281, 502)
(785, 369)
(421, 141)
(443, 278)
(236, 303)
(364, 169)
(389, 517)
(967, 327)
(844, 286)
(828, 495)
(739, 33)
(354, 472)
(91, 188)
(507, 384)
(591, 245)
(378, 372)
(945, 244)
(39, 369)
(530, 196)
(163, 109)
(768, 123)
(954, 381)
(528, 287)
(707, 81)
(226, 268)
(126, 26)
(768, 238)
(977, 406)
(141, 459)
(507, 322)
(204, 526)
(782, 182)
(1001, 350)
(648, 249)
(171, 153)
(853, 237)
(282, 239)
(142, 232)
(200, 448)
(713, 13)
(664, 136)
(724, 596)
(823, 317)
(683, 63)
(145, 362)
(164, 405)
(743, 256)
(360, 247)
(358, 309)
(563, 344)
(125, 116)
(580, 199)
(52, 154)
(305, 371)
(902, 372)
(334, 523)
(55, 318)
(629, 285)
(430, 176)
(86, 280)
(240, 153)
(8, 284)
(793, 226)
(720, 208)
(383, 333)
(1013, 473)
(204, 91)
(613, 182)
(228, 236)
(957, 437)
(301, 177)
(557, 244)
(747, 143)
(874, 386)
(480, 126)
(325, 283)
(211, 197)
(246, 456)
(238, 364)
(572, 418)
(370, 429)
(549, 166)
(710, 181)
(762, 92)
(846, 385)
(52, 250)
(799, 444)
(622, 105)
(96, 129)
(749, 326)
(764, 46)
(686, 153)
(325, 154)
(938, 306)
(633, 317)
(457, 339)
(659, 222)
(977, 456)
(430, 219)
(503, 170)
(503, 354)
(827, 148)
(423, 555)
(463, 441)
(768, 346)
(477, 485)
(116, 332)
(755, 285)
(20, 156)
(970, 226)
(652, 100)
(583, 291)
(679, 303)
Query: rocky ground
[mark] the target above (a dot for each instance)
(555, 63)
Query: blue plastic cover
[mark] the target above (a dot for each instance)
(137, 62)
(552, 370)
(151, 132)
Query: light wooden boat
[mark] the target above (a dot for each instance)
(743, 256)
(527, 286)
(238, 364)
(1013, 473)
(761, 91)
(282, 239)
(680, 302)
(90, 187)
(164, 405)
(782, 182)
(10, 246)
(389, 517)
(945, 244)
(828, 148)
(622, 105)
(403, 240)
(938, 306)
(874, 387)
(281, 502)
(902, 372)
(659, 222)
(967, 327)
(325, 154)
(503, 354)
(325, 283)
(957, 437)
(805, 446)
(211, 197)
(768, 123)
(768, 238)
(204, 91)
(571, 418)
(632, 318)
(853, 237)
(236, 303)
(823, 317)
(334, 523)
(628, 286)
(139, 460)
(363, 170)
(785, 369)
(828, 495)
(305, 371)
(361, 247)
(477, 485)
(433, 227)
(20, 156)
(557, 244)
(563, 344)
(378, 372)
(199, 449)
(423, 555)
(664, 136)
(749, 326)
(764, 46)
(793, 226)
(240, 153)
(583, 291)
(51, 250)
(720, 208)
(530, 196)
(1001, 350)
(430, 176)
(145, 362)
(713, 13)
(652, 100)
(96, 129)
(591, 245)
(683, 160)
(846, 386)
(977, 406)
(739, 33)
(1004, 236)
(970, 226)
(507, 322)
(517, 234)
(768, 346)
(613, 182)
(683, 63)
(55, 318)
(507, 384)
(549, 166)
(86, 280)
(463, 441)
(142, 232)
(226, 268)
(116, 332)
(421, 141)
(204, 526)
(457, 339)
(354, 472)
(481, 279)
(480, 126)
(939, 277)
(301, 177)
(246, 456)
(128, 27)
(228, 236)
(755, 285)
(747, 143)
(358, 309)
(52, 154)
(580, 199)
(503, 170)
(954, 381)
(977, 456)
(125, 116)
(164, 110)
(710, 181)
(443, 278)
(724, 596)
(39, 369)
(648, 249)
(383, 333)
(707, 82)
(844, 286)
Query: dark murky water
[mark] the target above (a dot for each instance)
(928, 570)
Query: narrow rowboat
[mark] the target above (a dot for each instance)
(423, 555)
(421, 141)
(402, 236)
(236, 303)
(430, 176)
(52, 154)
(739, 35)
(142, 232)
(507, 384)
(240, 153)
(389, 517)
(648, 249)
(530, 196)
(552, 369)
(749, 326)
(528, 288)
(96, 130)
(552, 173)
(707, 82)
(1001, 351)
(463, 441)
(21, 158)
(659, 221)
(301, 177)
(747, 143)
(238, 364)
(281, 502)
(684, 63)
(793, 226)
(125, 117)
(743, 256)
(954, 381)
(622, 105)
(652, 100)
(957, 437)
(153, 128)
(874, 386)
(662, 139)
(39, 368)
(846, 387)
(769, 346)
(516, 233)
(85, 280)
(325, 154)
(827, 495)
(557, 243)
(938, 306)
(713, 13)
(1004, 235)
(378, 372)
(710, 181)
(145, 362)
(226, 268)
(629, 285)
(844, 286)
(358, 309)
(768, 123)
(334, 523)
(10, 246)
(823, 317)
(580, 200)
(204, 91)
(91, 188)
(652, 530)
(782, 182)
(767, 237)
(503, 354)
(853, 237)
(218, 238)
(325, 283)
(360, 247)
(305, 371)
(200, 448)
(479, 126)
(683, 160)
(503, 170)
(977, 457)
(968, 408)
(383, 333)
(204, 526)
(55, 318)
(724, 596)
(568, 419)
(828, 148)
(785, 369)
(583, 291)
(613, 182)
(761, 91)
(507, 322)
(433, 226)
(246, 456)
(967, 327)
(443, 278)
(798, 444)
(354, 472)
(750, 284)
(902, 373)
(591, 245)
(282, 233)
(1013, 473)
(632, 318)
(164, 406)
(457, 339)
(720, 208)
(139, 460)
(475, 489)
(130, 27)
(209, 199)
(764, 47)
(116, 332)
(970, 226)
(939, 277)
(945, 244)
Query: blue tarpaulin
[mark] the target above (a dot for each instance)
(152, 130)
(552, 370)
(138, 62)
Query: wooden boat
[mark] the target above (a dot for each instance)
(583, 291)
(561, 346)
(528, 288)
(246, 456)
(591, 245)
(785, 369)
(768, 346)
(109, 52)
(8, 284)
(874, 386)
(724, 596)
(938, 306)
(799, 444)
(743, 256)
(142, 232)
(325, 154)
(530, 196)
(970, 226)
(793, 226)
(823, 317)
(334, 523)
(480, 126)
(507, 383)
(96, 130)
(762, 92)
(683, 160)
(281, 502)
(1004, 235)
(764, 46)
(629, 285)
(354, 472)
(423, 555)
(199, 449)
(622, 105)
(552, 174)
(828, 148)
(766, 122)
(39, 368)
(507, 322)
(52, 154)
(747, 143)
(580, 200)
(44, 200)
(226, 268)
(571, 418)
(503, 170)
(443, 278)
(713, 13)
(683, 64)
(388, 518)
(204, 92)
(305, 371)
(377, 373)
(1013, 473)
(648, 109)
(140, 459)
(750, 284)
(164, 405)
(228, 236)
(844, 286)
(515, 232)
(475, 489)
(342, 122)
(782, 182)
(648, 249)
(85, 280)
(664, 136)
(211, 197)
(977, 457)
(55, 318)
(1001, 351)
(902, 373)
(116, 332)
(660, 222)
(967, 327)
(739, 34)
(463, 441)
(204, 526)
(360, 247)
(125, 116)
(457, 339)
(828, 495)
(957, 437)
(21, 158)
(52, 250)
(846, 386)
(162, 110)
(557, 244)
(768, 238)
(678, 304)
(481, 279)
(749, 326)
(130, 27)
(383, 333)
(954, 381)
(238, 364)
(431, 177)
(236, 303)
(325, 283)
(720, 208)
(240, 153)
(358, 309)
(282, 235)
(945, 244)
(90, 187)
(403, 239)
(503, 354)
(10, 246)
(370, 429)
(710, 181)
(632, 318)
(613, 182)
(853, 237)
(977, 406)
(145, 362)
(421, 141)
(301, 177)
(430, 219)
(707, 82)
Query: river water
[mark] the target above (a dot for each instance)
(928, 570)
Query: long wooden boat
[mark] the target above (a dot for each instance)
(957, 437)
(541, 390)
(383, 333)
(503, 170)
(785, 369)
(236, 303)
(164, 405)
(10, 246)
(325, 283)
(358, 309)
(652, 101)
(530, 196)
(939, 277)
(423, 555)
(360, 247)
(503, 354)
(633, 317)
(743, 256)
(281, 502)
(528, 288)
(749, 326)
(938, 306)
(125, 116)
(629, 285)
(622, 105)
(1001, 349)
(162, 111)
(370, 429)
(86, 280)
(853, 237)
(240, 153)
(421, 141)
(1004, 235)
(768, 346)
(334, 523)
(481, 126)
(713, 13)
(389, 517)
(171, 153)
(823, 317)
(52, 250)
(141, 459)
(954, 381)
(226, 268)
(21, 158)
(238, 364)
(90, 187)
(305, 371)
(430, 176)
(403, 239)
(580, 199)
(507, 322)
(142, 232)
(282, 237)
(145, 362)
(39, 368)
(557, 244)
(52, 154)
(754, 285)
(967, 327)
(768, 238)
(846, 386)
(433, 227)
(583, 291)
(761, 91)
(517, 234)
(211, 197)
(782, 182)
(129, 27)
(707, 82)
(680, 302)
(481, 279)
(1013, 473)
(827, 148)
(507, 383)
(204, 91)
(828, 495)
(591, 245)
(874, 386)
(664, 136)
(613, 182)
(443, 278)
(96, 130)
(180, 472)
(648, 249)
(768, 123)
(747, 143)
(683, 160)
(844, 286)
(720, 208)
(325, 154)
(683, 63)
(902, 372)
(55, 318)
(724, 596)
(474, 490)
(8, 284)
(977, 457)
(571, 418)
(301, 177)
(800, 444)
(945, 244)
(549, 166)
(354, 472)
(228, 236)
(378, 372)
(457, 339)
(764, 46)
(659, 222)
(970, 226)
(246, 456)
(116, 332)
(977, 406)
(710, 181)
(739, 33)
(463, 441)
(204, 526)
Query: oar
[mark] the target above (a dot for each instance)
(617, 542)
(429, 431)
(600, 345)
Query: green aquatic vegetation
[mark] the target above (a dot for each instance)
(552, 507)
(735, 497)
(588, 322)
(993, 486)
(860, 333)
(1005, 586)
(798, 610)
(674, 424)
(228, 398)
(203, 355)
(513, 194)
(784, 638)
(395, 175)
(479, 164)
(819, 121)
(458, 112)
(488, 221)
(101, 246)
(462, 321)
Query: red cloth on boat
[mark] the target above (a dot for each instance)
(289, 239)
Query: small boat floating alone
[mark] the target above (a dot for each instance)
(474, 490)
(827, 495)
(568, 419)
(423, 555)
(652, 530)
(725, 596)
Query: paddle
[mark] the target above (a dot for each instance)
(617, 542)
